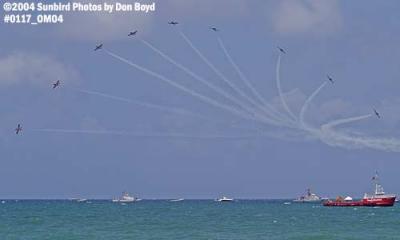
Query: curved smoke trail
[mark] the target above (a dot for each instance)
(307, 103)
(278, 84)
(340, 139)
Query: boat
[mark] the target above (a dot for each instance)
(309, 198)
(225, 199)
(177, 200)
(378, 199)
(125, 198)
(82, 200)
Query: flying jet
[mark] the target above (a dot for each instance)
(98, 47)
(376, 113)
(173, 23)
(56, 84)
(18, 129)
(132, 33)
(330, 79)
(281, 49)
(214, 29)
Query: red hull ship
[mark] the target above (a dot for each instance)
(378, 199)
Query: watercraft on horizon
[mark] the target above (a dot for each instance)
(224, 199)
(177, 200)
(309, 198)
(125, 198)
(378, 199)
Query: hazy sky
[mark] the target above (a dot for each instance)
(356, 42)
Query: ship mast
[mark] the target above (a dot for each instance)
(378, 187)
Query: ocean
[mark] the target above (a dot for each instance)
(193, 219)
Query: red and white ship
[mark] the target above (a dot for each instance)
(378, 199)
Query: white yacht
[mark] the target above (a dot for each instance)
(225, 199)
(125, 198)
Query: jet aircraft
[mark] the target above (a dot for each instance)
(18, 129)
(56, 84)
(98, 47)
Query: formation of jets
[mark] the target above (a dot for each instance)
(330, 79)
(100, 46)
(132, 33)
(281, 50)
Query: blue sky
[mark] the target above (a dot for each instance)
(356, 42)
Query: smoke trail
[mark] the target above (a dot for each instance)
(224, 79)
(199, 78)
(307, 103)
(278, 84)
(337, 139)
(182, 88)
(162, 108)
(144, 104)
(248, 84)
(137, 134)
(340, 139)
(330, 125)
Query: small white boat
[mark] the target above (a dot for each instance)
(126, 198)
(225, 199)
(82, 200)
(177, 200)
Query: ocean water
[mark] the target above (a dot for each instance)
(193, 219)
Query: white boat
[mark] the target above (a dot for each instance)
(126, 198)
(82, 200)
(177, 200)
(225, 199)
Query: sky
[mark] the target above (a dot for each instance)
(90, 138)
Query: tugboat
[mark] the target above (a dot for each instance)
(378, 199)
(309, 198)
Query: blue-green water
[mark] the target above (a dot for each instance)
(192, 219)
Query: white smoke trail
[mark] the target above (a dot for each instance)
(225, 79)
(162, 108)
(202, 80)
(144, 104)
(307, 103)
(182, 88)
(340, 139)
(330, 125)
(270, 110)
(278, 84)
(138, 134)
